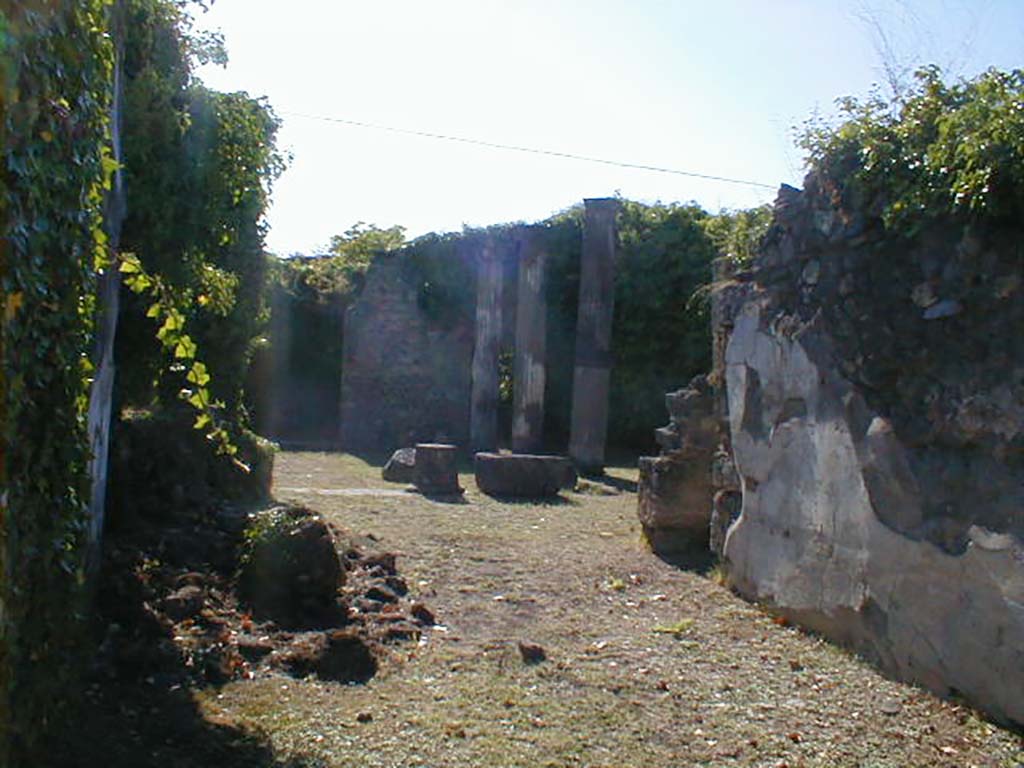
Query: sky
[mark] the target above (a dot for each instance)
(713, 88)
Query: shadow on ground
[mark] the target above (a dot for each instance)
(699, 561)
(547, 501)
(138, 708)
(618, 483)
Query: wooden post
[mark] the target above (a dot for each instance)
(531, 345)
(594, 335)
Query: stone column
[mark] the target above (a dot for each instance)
(531, 344)
(483, 419)
(594, 335)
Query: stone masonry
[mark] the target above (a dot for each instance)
(404, 379)
(875, 402)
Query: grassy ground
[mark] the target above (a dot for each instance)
(647, 664)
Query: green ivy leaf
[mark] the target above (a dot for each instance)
(186, 348)
(198, 375)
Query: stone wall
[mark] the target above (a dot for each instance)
(875, 401)
(294, 383)
(405, 376)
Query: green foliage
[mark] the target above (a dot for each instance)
(737, 234)
(198, 165)
(952, 152)
(325, 279)
(361, 242)
(266, 527)
(659, 342)
(55, 73)
(440, 269)
(179, 345)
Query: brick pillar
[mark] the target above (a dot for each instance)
(594, 335)
(483, 420)
(531, 344)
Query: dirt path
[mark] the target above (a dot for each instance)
(646, 665)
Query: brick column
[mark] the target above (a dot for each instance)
(594, 335)
(531, 344)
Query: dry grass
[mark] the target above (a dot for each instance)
(647, 665)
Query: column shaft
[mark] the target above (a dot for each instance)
(594, 335)
(531, 346)
(483, 422)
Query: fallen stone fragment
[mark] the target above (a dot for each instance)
(436, 470)
(532, 653)
(397, 584)
(291, 572)
(891, 706)
(402, 630)
(383, 560)
(523, 475)
(422, 614)
(401, 467)
(340, 655)
(381, 593)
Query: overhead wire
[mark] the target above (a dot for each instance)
(529, 150)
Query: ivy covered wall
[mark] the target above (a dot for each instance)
(55, 67)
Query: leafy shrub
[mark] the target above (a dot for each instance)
(198, 165)
(953, 152)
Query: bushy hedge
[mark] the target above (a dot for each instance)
(952, 152)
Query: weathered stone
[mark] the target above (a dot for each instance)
(668, 438)
(405, 375)
(924, 295)
(674, 502)
(523, 475)
(692, 410)
(400, 631)
(811, 272)
(943, 308)
(485, 395)
(529, 374)
(725, 508)
(253, 648)
(532, 653)
(291, 571)
(422, 614)
(831, 527)
(436, 469)
(382, 593)
(592, 374)
(401, 467)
